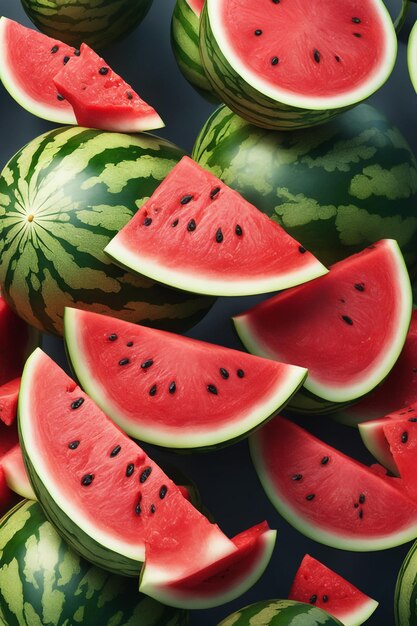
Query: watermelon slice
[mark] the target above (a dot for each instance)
(116, 507)
(198, 234)
(191, 394)
(89, 92)
(348, 327)
(9, 393)
(316, 584)
(15, 473)
(327, 495)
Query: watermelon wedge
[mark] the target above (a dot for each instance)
(191, 394)
(9, 393)
(15, 473)
(348, 327)
(116, 507)
(198, 234)
(327, 495)
(72, 86)
(316, 584)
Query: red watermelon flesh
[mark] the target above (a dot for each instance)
(102, 99)
(15, 473)
(105, 491)
(316, 584)
(196, 6)
(8, 439)
(15, 342)
(9, 393)
(197, 233)
(401, 437)
(347, 327)
(327, 495)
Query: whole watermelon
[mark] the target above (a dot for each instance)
(96, 22)
(62, 198)
(280, 613)
(405, 597)
(43, 581)
(335, 188)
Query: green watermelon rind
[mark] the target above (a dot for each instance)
(412, 56)
(214, 437)
(280, 613)
(353, 392)
(405, 595)
(254, 99)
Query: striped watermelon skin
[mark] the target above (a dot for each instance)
(280, 613)
(405, 597)
(185, 26)
(96, 22)
(45, 581)
(62, 198)
(335, 188)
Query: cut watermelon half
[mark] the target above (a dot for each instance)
(170, 390)
(327, 495)
(348, 327)
(316, 584)
(9, 393)
(15, 473)
(196, 233)
(89, 92)
(113, 504)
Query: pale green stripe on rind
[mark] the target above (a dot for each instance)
(349, 392)
(405, 597)
(252, 418)
(280, 613)
(412, 56)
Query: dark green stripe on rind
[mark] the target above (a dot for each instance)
(96, 22)
(43, 581)
(62, 198)
(280, 613)
(405, 597)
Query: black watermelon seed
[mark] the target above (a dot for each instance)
(186, 199)
(77, 52)
(54, 49)
(115, 451)
(66, 59)
(258, 32)
(153, 508)
(404, 437)
(214, 192)
(172, 387)
(325, 598)
(274, 61)
(130, 469)
(240, 373)
(356, 20)
(124, 361)
(74, 444)
(276, 1)
(145, 474)
(146, 364)
(212, 389)
(147, 221)
(313, 599)
(338, 59)
(360, 286)
(238, 230)
(224, 373)
(103, 71)
(219, 235)
(347, 319)
(301, 249)
(152, 390)
(77, 403)
(138, 509)
(112, 337)
(87, 479)
(129, 344)
(310, 496)
(297, 477)
(412, 419)
(163, 491)
(129, 95)
(325, 460)
(191, 226)
(357, 35)
(362, 498)
(356, 505)
(59, 97)
(360, 514)
(316, 55)
(175, 223)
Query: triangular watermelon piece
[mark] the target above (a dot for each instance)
(191, 394)
(318, 585)
(198, 234)
(15, 473)
(9, 393)
(114, 505)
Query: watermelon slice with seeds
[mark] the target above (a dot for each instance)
(191, 394)
(89, 92)
(196, 233)
(327, 495)
(318, 585)
(116, 507)
(347, 327)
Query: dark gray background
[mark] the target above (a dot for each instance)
(228, 484)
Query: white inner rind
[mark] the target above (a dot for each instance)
(358, 616)
(350, 97)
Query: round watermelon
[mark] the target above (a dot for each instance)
(335, 188)
(97, 22)
(45, 581)
(280, 613)
(405, 597)
(62, 198)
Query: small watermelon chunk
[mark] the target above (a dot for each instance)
(316, 584)
(401, 437)
(9, 393)
(327, 495)
(110, 501)
(191, 394)
(196, 233)
(102, 99)
(347, 327)
(15, 473)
